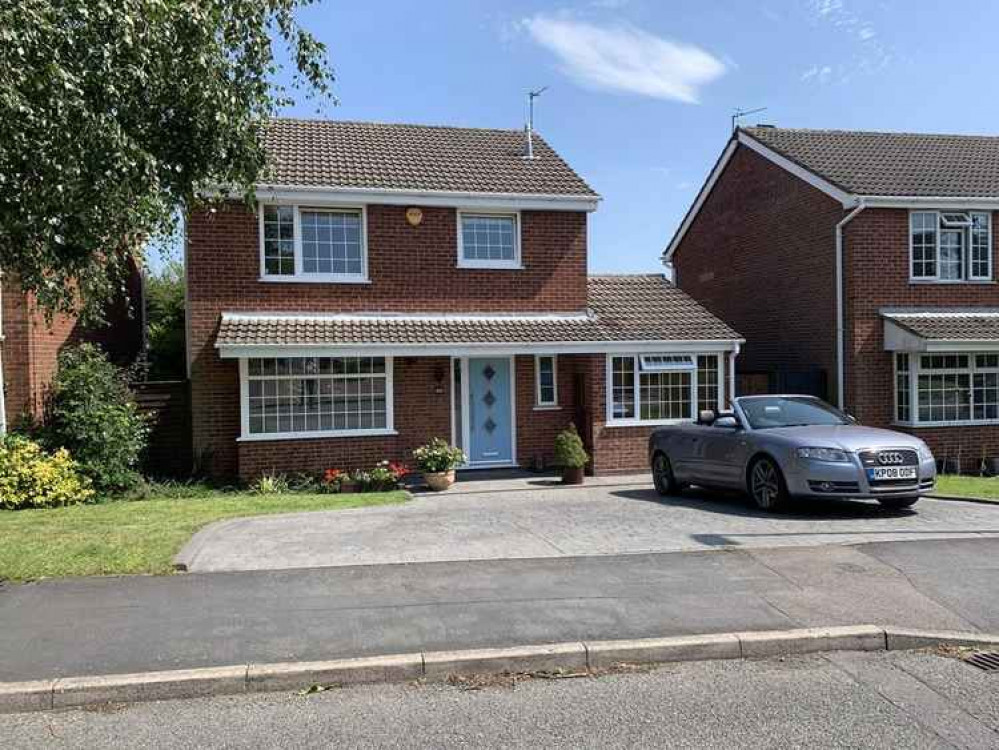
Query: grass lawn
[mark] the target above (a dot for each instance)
(959, 486)
(141, 536)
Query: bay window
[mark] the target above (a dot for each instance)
(947, 388)
(950, 245)
(661, 388)
(316, 396)
(301, 243)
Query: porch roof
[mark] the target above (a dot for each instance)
(623, 310)
(941, 329)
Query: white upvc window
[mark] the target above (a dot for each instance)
(488, 240)
(948, 246)
(292, 397)
(546, 380)
(946, 389)
(661, 388)
(313, 244)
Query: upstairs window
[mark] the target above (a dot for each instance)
(313, 244)
(950, 245)
(487, 240)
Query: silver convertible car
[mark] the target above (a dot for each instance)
(778, 447)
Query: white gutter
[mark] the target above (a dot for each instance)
(840, 322)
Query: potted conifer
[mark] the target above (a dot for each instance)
(570, 455)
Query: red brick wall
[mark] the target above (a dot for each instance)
(537, 427)
(411, 269)
(876, 246)
(761, 255)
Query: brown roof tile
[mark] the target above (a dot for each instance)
(623, 308)
(414, 157)
(892, 164)
(949, 324)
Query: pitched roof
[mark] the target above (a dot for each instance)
(891, 164)
(948, 324)
(414, 157)
(622, 308)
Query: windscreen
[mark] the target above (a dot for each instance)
(765, 412)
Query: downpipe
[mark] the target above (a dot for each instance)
(840, 314)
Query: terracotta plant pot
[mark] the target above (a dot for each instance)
(439, 480)
(572, 475)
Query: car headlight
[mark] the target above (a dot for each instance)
(833, 455)
(925, 453)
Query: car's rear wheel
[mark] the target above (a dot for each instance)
(897, 503)
(766, 485)
(663, 477)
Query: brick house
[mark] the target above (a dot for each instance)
(397, 282)
(860, 266)
(30, 343)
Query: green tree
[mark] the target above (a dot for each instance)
(164, 292)
(115, 113)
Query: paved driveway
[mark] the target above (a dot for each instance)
(527, 519)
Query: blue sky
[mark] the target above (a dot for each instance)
(641, 92)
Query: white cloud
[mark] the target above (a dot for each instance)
(817, 73)
(623, 58)
(870, 53)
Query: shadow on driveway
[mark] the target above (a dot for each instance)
(739, 504)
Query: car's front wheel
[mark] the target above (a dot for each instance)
(766, 485)
(662, 476)
(897, 503)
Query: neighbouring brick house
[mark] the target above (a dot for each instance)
(798, 235)
(399, 282)
(30, 343)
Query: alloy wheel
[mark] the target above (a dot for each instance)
(662, 475)
(765, 484)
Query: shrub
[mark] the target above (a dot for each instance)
(569, 451)
(30, 478)
(437, 456)
(92, 413)
(270, 484)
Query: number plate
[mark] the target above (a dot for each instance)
(881, 473)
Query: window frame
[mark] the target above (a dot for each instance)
(636, 420)
(515, 264)
(244, 405)
(300, 276)
(916, 369)
(539, 403)
(967, 234)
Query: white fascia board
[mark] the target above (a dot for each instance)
(849, 200)
(920, 201)
(229, 351)
(324, 195)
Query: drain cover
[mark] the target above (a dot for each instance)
(987, 661)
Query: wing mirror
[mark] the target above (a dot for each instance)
(852, 419)
(706, 416)
(727, 421)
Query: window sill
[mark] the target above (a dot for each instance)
(547, 407)
(491, 266)
(315, 279)
(947, 282)
(646, 422)
(271, 436)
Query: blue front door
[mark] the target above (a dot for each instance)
(490, 416)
